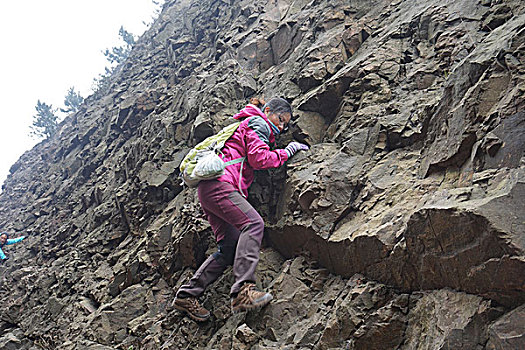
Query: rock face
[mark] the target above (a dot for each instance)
(402, 228)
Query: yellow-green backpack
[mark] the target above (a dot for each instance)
(202, 161)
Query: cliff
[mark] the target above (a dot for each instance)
(402, 228)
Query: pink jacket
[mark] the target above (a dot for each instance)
(251, 140)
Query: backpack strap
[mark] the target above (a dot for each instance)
(235, 161)
(240, 177)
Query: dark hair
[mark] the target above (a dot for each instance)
(258, 102)
(278, 105)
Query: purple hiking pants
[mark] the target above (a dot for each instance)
(239, 232)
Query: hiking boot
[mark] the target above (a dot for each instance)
(249, 298)
(192, 307)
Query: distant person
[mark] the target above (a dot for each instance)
(237, 226)
(4, 240)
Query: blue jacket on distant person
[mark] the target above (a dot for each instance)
(4, 240)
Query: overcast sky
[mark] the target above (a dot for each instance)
(48, 46)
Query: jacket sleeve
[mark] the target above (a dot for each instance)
(2, 255)
(257, 150)
(15, 240)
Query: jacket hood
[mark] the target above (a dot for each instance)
(250, 111)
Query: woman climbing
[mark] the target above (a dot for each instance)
(4, 240)
(237, 226)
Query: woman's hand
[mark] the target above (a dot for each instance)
(294, 147)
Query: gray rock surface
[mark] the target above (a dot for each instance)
(401, 228)
(508, 332)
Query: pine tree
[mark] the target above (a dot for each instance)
(116, 55)
(119, 54)
(72, 101)
(102, 83)
(158, 5)
(45, 121)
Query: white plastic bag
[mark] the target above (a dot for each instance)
(209, 166)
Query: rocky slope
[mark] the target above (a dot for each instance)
(402, 228)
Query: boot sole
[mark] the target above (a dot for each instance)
(192, 316)
(263, 302)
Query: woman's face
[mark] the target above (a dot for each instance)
(280, 120)
(3, 239)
